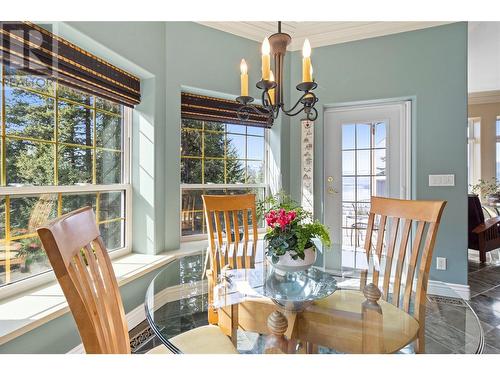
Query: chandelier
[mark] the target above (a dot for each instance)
(271, 83)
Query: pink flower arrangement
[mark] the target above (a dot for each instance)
(280, 218)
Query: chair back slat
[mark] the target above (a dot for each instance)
(101, 294)
(84, 271)
(368, 244)
(253, 212)
(113, 294)
(389, 256)
(412, 264)
(403, 245)
(424, 269)
(378, 249)
(218, 258)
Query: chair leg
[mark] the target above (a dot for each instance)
(213, 316)
(420, 341)
(482, 256)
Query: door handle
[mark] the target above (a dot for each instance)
(330, 188)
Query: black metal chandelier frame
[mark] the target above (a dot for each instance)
(279, 42)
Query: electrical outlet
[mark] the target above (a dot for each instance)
(440, 263)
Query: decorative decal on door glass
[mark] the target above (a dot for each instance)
(307, 164)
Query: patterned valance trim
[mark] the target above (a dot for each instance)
(28, 47)
(208, 108)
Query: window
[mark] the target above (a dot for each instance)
(61, 149)
(364, 154)
(218, 158)
(473, 151)
(498, 149)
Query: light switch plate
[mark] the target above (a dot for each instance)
(440, 263)
(441, 180)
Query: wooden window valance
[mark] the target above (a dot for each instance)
(207, 108)
(31, 48)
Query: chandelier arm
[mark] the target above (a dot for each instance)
(263, 98)
(288, 112)
(314, 116)
(244, 112)
(272, 111)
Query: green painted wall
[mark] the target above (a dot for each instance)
(430, 66)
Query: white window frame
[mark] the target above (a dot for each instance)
(474, 150)
(210, 186)
(30, 282)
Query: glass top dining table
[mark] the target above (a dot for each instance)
(310, 311)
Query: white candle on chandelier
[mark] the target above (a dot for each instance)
(306, 61)
(244, 77)
(266, 60)
(272, 92)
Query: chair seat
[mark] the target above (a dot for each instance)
(207, 339)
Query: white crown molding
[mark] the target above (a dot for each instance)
(484, 97)
(319, 33)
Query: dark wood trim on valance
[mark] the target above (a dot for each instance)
(207, 108)
(31, 48)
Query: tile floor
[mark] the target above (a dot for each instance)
(484, 281)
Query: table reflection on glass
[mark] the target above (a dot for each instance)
(307, 312)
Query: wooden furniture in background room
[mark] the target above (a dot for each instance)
(484, 235)
(84, 271)
(394, 219)
(232, 236)
(11, 251)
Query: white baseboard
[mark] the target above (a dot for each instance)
(137, 315)
(443, 289)
(77, 350)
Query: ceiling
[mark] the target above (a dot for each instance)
(319, 33)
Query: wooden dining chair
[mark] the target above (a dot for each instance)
(84, 271)
(398, 258)
(232, 236)
(395, 218)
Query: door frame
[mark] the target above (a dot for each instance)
(406, 138)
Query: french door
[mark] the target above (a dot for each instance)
(366, 153)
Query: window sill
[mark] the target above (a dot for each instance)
(31, 309)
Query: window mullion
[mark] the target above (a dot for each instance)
(94, 142)
(4, 143)
(7, 238)
(203, 152)
(56, 134)
(225, 154)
